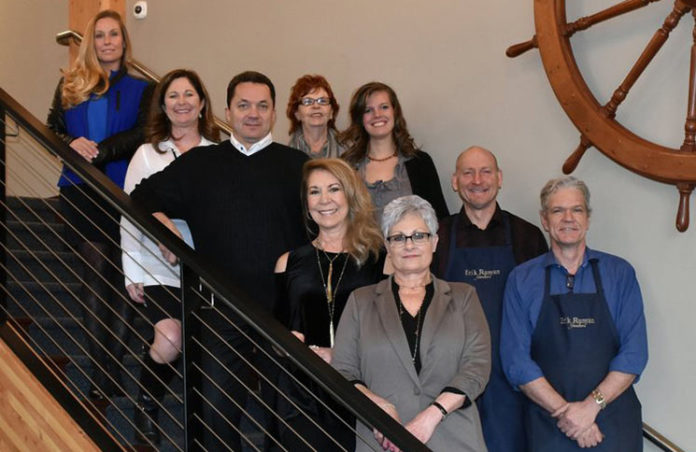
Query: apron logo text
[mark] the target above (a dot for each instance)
(576, 322)
(481, 273)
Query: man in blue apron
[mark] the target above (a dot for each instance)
(573, 336)
(481, 245)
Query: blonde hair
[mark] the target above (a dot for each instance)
(86, 76)
(363, 237)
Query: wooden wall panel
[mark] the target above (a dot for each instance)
(30, 419)
(81, 11)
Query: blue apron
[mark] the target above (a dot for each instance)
(573, 343)
(487, 268)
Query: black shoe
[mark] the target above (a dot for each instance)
(104, 391)
(95, 394)
(145, 421)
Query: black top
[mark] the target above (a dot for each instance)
(425, 182)
(243, 211)
(302, 304)
(527, 240)
(412, 324)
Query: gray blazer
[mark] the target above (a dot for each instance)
(455, 349)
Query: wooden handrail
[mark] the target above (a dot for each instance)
(659, 440)
(65, 37)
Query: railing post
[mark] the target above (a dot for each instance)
(190, 327)
(3, 214)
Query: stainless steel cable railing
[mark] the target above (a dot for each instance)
(200, 282)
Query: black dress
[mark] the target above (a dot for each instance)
(302, 307)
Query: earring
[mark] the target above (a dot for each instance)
(200, 115)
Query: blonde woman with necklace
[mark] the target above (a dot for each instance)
(314, 283)
(415, 345)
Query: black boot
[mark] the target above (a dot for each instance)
(97, 319)
(145, 420)
(154, 378)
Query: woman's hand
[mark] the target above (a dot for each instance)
(324, 353)
(136, 292)
(390, 409)
(424, 424)
(86, 148)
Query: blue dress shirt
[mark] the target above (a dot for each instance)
(524, 293)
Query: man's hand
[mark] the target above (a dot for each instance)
(170, 257)
(577, 418)
(592, 437)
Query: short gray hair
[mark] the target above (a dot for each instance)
(400, 207)
(556, 184)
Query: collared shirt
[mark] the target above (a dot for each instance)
(254, 148)
(522, 303)
(527, 240)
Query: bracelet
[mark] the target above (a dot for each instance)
(441, 408)
(599, 399)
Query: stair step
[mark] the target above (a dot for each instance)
(30, 298)
(32, 209)
(35, 235)
(66, 336)
(44, 266)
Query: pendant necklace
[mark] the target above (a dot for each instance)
(418, 327)
(329, 290)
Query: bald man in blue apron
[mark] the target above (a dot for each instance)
(481, 245)
(573, 337)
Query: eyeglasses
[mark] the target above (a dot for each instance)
(417, 238)
(309, 101)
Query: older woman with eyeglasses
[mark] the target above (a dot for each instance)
(417, 346)
(312, 111)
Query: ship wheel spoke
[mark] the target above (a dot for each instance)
(583, 23)
(609, 13)
(689, 144)
(574, 159)
(655, 44)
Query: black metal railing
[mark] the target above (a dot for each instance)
(275, 347)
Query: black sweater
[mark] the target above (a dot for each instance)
(243, 211)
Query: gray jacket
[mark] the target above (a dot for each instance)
(455, 349)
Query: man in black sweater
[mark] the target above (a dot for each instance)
(480, 245)
(241, 200)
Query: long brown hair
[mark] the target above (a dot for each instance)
(363, 237)
(159, 128)
(355, 138)
(86, 76)
(303, 86)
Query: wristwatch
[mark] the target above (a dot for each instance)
(599, 399)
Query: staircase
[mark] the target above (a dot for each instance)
(42, 293)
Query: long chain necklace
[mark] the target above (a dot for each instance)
(329, 290)
(418, 327)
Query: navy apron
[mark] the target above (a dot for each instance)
(487, 268)
(573, 343)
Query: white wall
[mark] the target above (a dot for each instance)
(29, 71)
(446, 61)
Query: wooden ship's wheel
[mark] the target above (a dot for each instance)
(597, 122)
